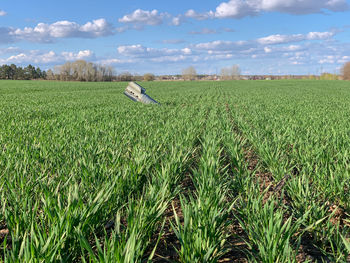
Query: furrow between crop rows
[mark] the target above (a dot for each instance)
(319, 234)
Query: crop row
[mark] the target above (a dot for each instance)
(233, 171)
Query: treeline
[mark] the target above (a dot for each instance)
(81, 70)
(20, 73)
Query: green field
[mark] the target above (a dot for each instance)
(238, 171)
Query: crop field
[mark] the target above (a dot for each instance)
(236, 171)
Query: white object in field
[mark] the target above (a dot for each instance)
(137, 93)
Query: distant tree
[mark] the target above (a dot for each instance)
(312, 77)
(346, 71)
(81, 70)
(50, 75)
(91, 72)
(43, 75)
(110, 74)
(328, 76)
(229, 73)
(125, 76)
(149, 77)
(39, 74)
(30, 72)
(65, 71)
(189, 73)
(15, 72)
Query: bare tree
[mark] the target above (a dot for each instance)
(346, 71)
(81, 70)
(229, 73)
(125, 76)
(148, 77)
(65, 71)
(50, 75)
(189, 73)
(236, 72)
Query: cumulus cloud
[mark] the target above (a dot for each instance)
(9, 50)
(258, 56)
(199, 16)
(302, 7)
(64, 29)
(2, 13)
(140, 51)
(283, 49)
(115, 61)
(223, 45)
(269, 47)
(327, 60)
(83, 54)
(242, 8)
(60, 29)
(50, 57)
(282, 39)
(143, 17)
(176, 21)
(236, 9)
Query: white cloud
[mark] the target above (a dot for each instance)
(115, 61)
(301, 7)
(60, 29)
(319, 35)
(267, 50)
(308, 52)
(282, 39)
(177, 20)
(173, 59)
(139, 51)
(50, 57)
(154, 55)
(9, 50)
(96, 28)
(2, 13)
(132, 50)
(281, 49)
(326, 61)
(186, 51)
(242, 8)
(223, 45)
(142, 17)
(199, 16)
(237, 9)
(83, 54)
(343, 59)
(65, 29)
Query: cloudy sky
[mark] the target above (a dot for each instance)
(163, 37)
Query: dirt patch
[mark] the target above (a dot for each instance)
(3, 234)
(166, 249)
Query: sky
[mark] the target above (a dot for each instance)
(164, 37)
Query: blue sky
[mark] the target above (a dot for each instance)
(163, 37)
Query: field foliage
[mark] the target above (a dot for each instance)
(255, 171)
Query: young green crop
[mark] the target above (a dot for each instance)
(87, 175)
